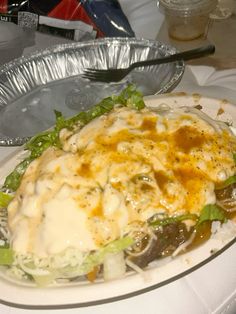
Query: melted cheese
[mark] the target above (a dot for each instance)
(123, 167)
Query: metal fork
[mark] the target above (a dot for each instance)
(115, 75)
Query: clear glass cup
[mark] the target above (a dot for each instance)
(224, 9)
(187, 19)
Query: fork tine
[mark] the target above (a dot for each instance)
(89, 70)
(89, 74)
(104, 75)
(91, 77)
(96, 75)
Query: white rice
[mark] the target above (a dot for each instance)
(71, 257)
(223, 232)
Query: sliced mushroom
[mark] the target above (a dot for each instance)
(226, 197)
(165, 241)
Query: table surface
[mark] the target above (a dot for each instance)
(221, 33)
(188, 295)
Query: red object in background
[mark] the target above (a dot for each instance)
(59, 17)
(4, 6)
(72, 10)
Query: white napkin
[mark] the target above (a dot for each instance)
(207, 81)
(144, 17)
(208, 76)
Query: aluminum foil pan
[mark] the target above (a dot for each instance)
(32, 87)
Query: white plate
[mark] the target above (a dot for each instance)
(158, 274)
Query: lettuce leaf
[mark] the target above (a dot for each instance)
(92, 260)
(4, 199)
(129, 97)
(227, 182)
(234, 157)
(211, 212)
(169, 220)
(97, 258)
(6, 256)
(12, 181)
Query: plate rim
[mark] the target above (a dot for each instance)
(120, 297)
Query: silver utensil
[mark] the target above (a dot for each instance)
(115, 75)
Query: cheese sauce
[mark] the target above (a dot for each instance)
(122, 167)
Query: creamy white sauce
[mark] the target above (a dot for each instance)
(64, 225)
(125, 166)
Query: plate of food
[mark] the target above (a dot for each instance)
(118, 200)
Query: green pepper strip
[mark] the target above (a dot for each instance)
(169, 220)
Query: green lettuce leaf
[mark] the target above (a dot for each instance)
(169, 220)
(230, 180)
(12, 181)
(131, 97)
(211, 212)
(227, 182)
(234, 157)
(92, 260)
(6, 256)
(97, 257)
(4, 199)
